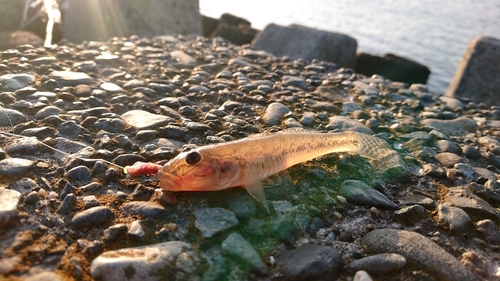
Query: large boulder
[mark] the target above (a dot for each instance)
(307, 43)
(12, 39)
(477, 75)
(235, 29)
(100, 20)
(392, 67)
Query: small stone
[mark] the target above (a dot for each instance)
(378, 264)
(455, 127)
(471, 204)
(70, 78)
(448, 159)
(489, 230)
(471, 152)
(362, 275)
(359, 193)
(14, 167)
(447, 146)
(455, 219)
(144, 209)
(342, 123)
(236, 246)
(136, 229)
(173, 257)
(10, 117)
(144, 120)
(274, 113)
(211, 221)
(410, 215)
(8, 205)
(80, 173)
(68, 202)
(311, 262)
(419, 251)
(12, 82)
(242, 205)
(93, 216)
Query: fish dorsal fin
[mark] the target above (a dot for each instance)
(251, 181)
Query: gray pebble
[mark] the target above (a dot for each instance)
(12, 82)
(295, 81)
(68, 203)
(14, 167)
(453, 127)
(70, 78)
(210, 221)
(274, 113)
(93, 216)
(359, 193)
(239, 248)
(448, 159)
(455, 219)
(378, 264)
(143, 120)
(471, 152)
(311, 262)
(447, 146)
(342, 123)
(23, 146)
(422, 135)
(419, 251)
(470, 203)
(32, 198)
(112, 125)
(144, 209)
(80, 173)
(489, 230)
(10, 117)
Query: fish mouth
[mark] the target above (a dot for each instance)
(169, 181)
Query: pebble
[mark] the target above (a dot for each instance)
(342, 123)
(419, 251)
(421, 135)
(144, 120)
(471, 152)
(144, 209)
(10, 117)
(410, 215)
(311, 262)
(359, 193)
(9, 199)
(489, 230)
(274, 113)
(70, 78)
(80, 174)
(210, 221)
(470, 203)
(362, 276)
(12, 82)
(455, 219)
(378, 264)
(141, 263)
(239, 248)
(136, 229)
(455, 127)
(93, 216)
(447, 146)
(448, 159)
(14, 167)
(68, 202)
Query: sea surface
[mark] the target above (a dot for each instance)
(434, 33)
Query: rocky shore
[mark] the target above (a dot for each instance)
(79, 217)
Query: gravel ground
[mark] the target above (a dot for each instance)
(77, 216)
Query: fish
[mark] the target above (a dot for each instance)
(246, 162)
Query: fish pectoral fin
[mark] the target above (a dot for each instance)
(251, 181)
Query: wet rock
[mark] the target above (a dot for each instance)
(144, 120)
(359, 193)
(274, 113)
(455, 127)
(236, 246)
(311, 262)
(455, 219)
(12, 82)
(174, 258)
(14, 167)
(378, 264)
(8, 205)
(70, 78)
(210, 221)
(80, 173)
(91, 217)
(144, 209)
(419, 251)
(342, 123)
(470, 203)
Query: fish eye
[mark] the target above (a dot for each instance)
(193, 158)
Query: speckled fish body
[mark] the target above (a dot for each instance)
(247, 161)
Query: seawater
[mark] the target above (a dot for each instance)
(434, 33)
